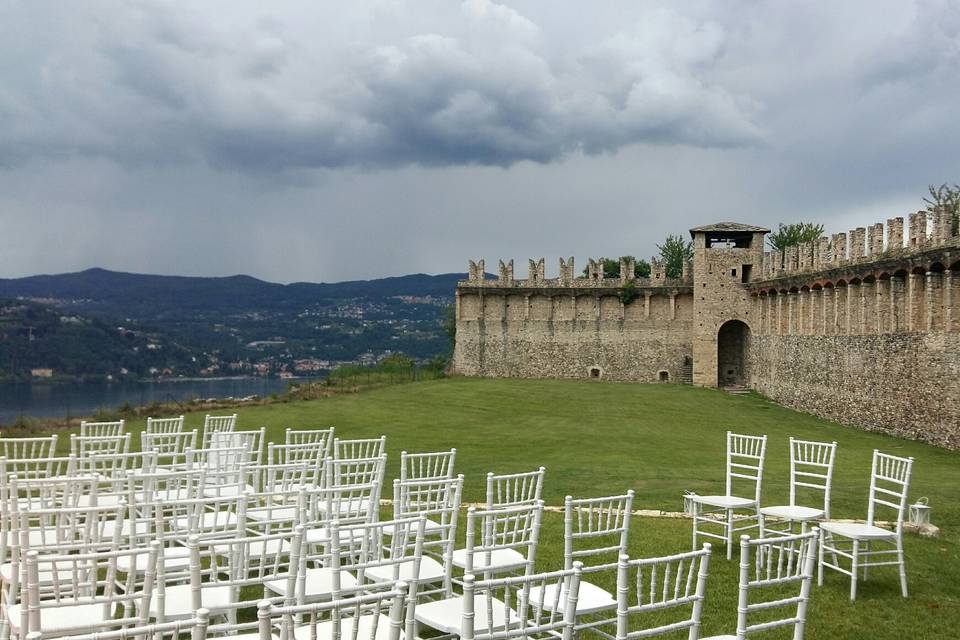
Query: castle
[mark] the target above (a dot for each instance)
(861, 328)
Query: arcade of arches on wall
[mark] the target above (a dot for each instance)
(912, 298)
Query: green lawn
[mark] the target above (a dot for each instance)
(602, 438)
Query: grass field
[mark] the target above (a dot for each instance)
(597, 439)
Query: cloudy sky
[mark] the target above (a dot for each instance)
(324, 141)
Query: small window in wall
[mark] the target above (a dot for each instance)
(595, 373)
(663, 376)
(733, 272)
(745, 272)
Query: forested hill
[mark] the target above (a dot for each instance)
(236, 325)
(138, 295)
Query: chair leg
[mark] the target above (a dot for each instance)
(761, 524)
(729, 534)
(695, 521)
(902, 567)
(866, 561)
(820, 562)
(853, 570)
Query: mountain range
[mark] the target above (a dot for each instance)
(100, 323)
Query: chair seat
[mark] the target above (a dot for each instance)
(45, 576)
(74, 617)
(102, 500)
(178, 602)
(109, 528)
(447, 615)
(174, 557)
(226, 490)
(318, 584)
(209, 520)
(264, 514)
(725, 502)
(430, 571)
(321, 535)
(724, 637)
(500, 560)
(591, 598)
(857, 530)
(348, 506)
(258, 549)
(364, 630)
(429, 528)
(795, 513)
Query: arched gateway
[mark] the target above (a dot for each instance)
(733, 344)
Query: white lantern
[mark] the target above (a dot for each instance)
(689, 506)
(920, 512)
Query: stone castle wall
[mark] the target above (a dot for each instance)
(861, 328)
(572, 327)
(865, 333)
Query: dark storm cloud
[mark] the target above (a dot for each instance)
(479, 83)
(337, 140)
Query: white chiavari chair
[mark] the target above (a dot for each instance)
(168, 426)
(344, 449)
(349, 504)
(114, 472)
(375, 615)
(102, 429)
(313, 454)
(434, 465)
(72, 593)
(221, 572)
(39, 468)
(252, 439)
(811, 476)
(500, 540)
(514, 489)
(225, 469)
(745, 459)
(216, 424)
(502, 607)
(780, 567)
(279, 498)
(595, 533)
(855, 541)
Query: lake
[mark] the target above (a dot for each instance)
(83, 399)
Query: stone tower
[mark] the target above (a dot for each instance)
(726, 257)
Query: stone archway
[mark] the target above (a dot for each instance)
(733, 343)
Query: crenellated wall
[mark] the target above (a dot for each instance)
(568, 327)
(867, 332)
(861, 327)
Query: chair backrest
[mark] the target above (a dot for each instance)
(436, 465)
(37, 468)
(83, 446)
(514, 489)
(216, 424)
(208, 517)
(252, 439)
(745, 458)
(507, 604)
(649, 588)
(117, 466)
(313, 454)
(596, 530)
(164, 425)
(171, 448)
(102, 429)
(224, 467)
(347, 471)
(347, 503)
(311, 436)
(493, 530)
(27, 448)
(778, 565)
(811, 470)
(889, 485)
(354, 618)
(359, 448)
